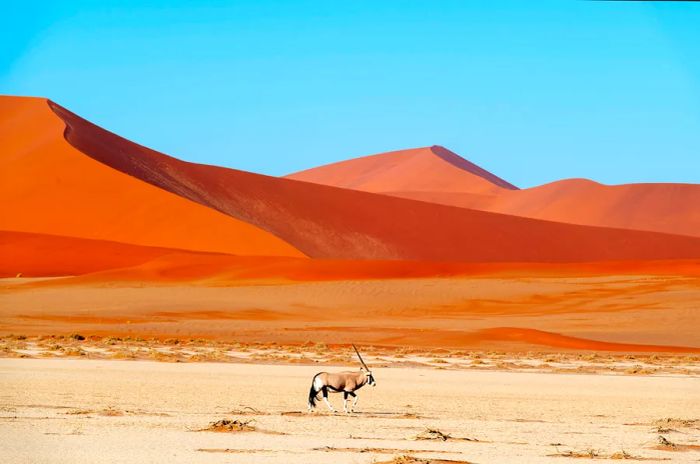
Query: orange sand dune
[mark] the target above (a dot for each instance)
(670, 208)
(43, 255)
(421, 174)
(328, 222)
(49, 187)
(555, 340)
(175, 266)
(426, 169)
(519, 338)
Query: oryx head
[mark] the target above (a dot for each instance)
(365, 369)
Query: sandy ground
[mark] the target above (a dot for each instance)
(437, 312)
(64, 410)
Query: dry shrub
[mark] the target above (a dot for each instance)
(588, 454)
(160, 356)
(623, 455)
(670, 422)
(74, 352)
(432, 434)
(124, 354)
(639, 370)
(405, 459)
(111, 412)
(228, 425)
(320, 348)
(80, 412)
(435, 434)
(209, 356)
(667, 445)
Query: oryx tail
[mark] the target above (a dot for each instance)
(313, 392)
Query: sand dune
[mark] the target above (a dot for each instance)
(49, 187)
(233, 250)
(36, 255)
(328, 222)
(425, 169)
(670, 208)
(41, 255)
(421, 174)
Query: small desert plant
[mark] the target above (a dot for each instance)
(228, 425)
(589, 453)
(624, 455)
(674, 422)
(665, 442)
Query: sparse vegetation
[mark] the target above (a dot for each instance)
(435, 434)
(197, 350)
(406, 459)
(228, 425)
(589, 453)
(675, 422)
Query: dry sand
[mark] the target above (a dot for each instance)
(118, 411)
(447, 312)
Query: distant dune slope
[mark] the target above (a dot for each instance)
(49, 187)
(426, 169)
(329, 222)
(670, 208)
(422, 174)
(42, 255)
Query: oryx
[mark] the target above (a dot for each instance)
(347, 382)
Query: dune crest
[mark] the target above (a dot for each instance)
(425, 169)
(49, 187)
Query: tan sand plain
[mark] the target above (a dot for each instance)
(68, 411)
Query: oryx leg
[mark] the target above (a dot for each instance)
(325, 398)
(354, 401)
(345, 400)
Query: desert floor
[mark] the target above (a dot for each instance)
(458, 312)
(102, 410)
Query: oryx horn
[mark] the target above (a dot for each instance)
(359, 356)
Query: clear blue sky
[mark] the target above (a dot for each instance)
(532, 90)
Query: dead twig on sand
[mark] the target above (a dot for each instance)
(405, 459)
(596, 454)
(435, 434)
